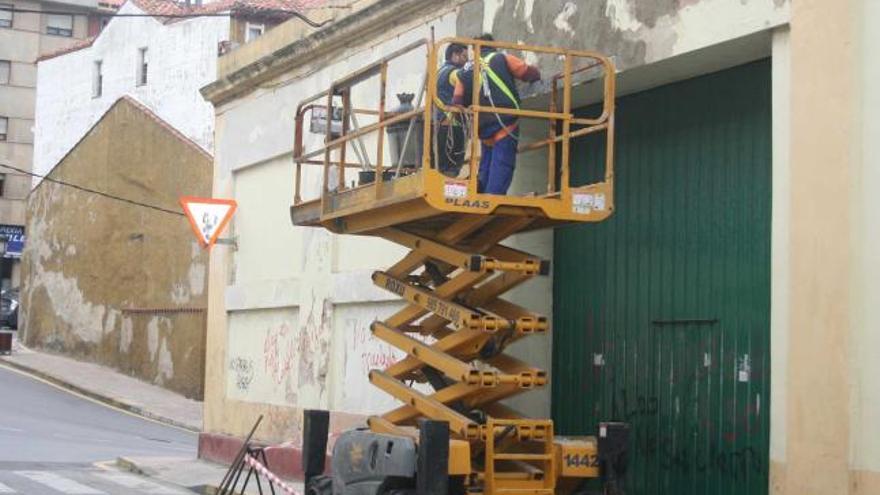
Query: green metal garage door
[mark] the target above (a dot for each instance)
(662, 313)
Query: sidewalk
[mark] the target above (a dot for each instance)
(196, 475)
(112, 387)
(109, 386)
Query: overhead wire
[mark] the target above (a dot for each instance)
(92, 191)
(294, 13)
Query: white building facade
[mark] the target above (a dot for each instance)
(160, 64)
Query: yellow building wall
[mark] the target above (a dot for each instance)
(118, 284)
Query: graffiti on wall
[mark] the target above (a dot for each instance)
(707, 446)
(373, 353)
(284, 356)
(690, 403)
(243, 372)
(278, 352)
(262, 355)
(364, 352)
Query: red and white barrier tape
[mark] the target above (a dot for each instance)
(269, 475)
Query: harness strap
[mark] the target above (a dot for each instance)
(495, 78)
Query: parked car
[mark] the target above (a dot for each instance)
(9, 309)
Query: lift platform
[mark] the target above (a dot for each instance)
(455, 327)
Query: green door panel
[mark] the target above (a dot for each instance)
(662, 312)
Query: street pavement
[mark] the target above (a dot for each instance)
(51, 440)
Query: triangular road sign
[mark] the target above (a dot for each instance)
(208, 217)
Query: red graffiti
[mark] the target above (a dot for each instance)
(278, 353)
(377, 354)
(378, 360)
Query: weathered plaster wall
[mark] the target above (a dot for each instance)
(299, 306)
(634, 32)
(182, 57)
(257, 103)
(106, 281)
(780, 308)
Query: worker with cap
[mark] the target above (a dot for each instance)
(498, 132)
(450, 132)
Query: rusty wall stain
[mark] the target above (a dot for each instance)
(90, 258)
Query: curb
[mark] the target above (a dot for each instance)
(97, 396)
(285, 460)
(129, 465)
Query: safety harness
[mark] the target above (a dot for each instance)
(507, 130)
(499, 83)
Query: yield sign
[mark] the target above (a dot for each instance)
(208, 217)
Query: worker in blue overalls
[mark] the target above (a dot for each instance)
(450, 132)
(498, 132)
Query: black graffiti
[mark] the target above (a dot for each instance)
(624, 406)
(736, 463)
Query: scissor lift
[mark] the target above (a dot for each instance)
(455, 326)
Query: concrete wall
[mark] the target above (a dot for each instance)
(114, 283)
(305, 293)
(182, 57)
(864, 403)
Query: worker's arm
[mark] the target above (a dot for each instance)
(458, 94)
(521, 70)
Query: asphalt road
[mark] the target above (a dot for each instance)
(50, 441)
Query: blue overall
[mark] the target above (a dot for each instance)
(496, 166)
(499, 159)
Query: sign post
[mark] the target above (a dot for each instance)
(208, 217)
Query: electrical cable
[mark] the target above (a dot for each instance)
(310, 22)
(93, 191)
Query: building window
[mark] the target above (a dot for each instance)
(143, 64)
(97, 79)
(59, 24)
(2, 184)
(5, 15)
(253, 31)
(5, 69)
(4, 127)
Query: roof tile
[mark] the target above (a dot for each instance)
(79, 45)
(161, 8)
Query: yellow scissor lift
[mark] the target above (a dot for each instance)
(455, 326)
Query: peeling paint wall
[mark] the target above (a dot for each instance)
(106, 281)
(634, 33)
(280, 269)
